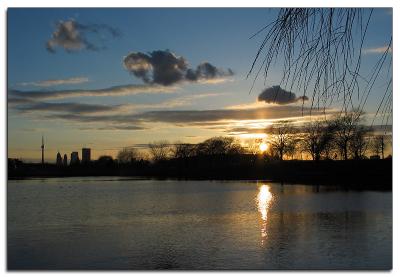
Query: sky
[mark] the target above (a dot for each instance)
(112, 78)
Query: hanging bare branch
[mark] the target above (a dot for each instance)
(320, 51)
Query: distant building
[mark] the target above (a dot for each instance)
(374, 157)
(74, 158)
(65, 161)
(42, 147)
(59, 159)
(85, 155)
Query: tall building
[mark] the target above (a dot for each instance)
(42, 149)
(74, 158)
(65, 161)
(85, 155)
(59, 159)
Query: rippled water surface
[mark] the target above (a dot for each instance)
(118, 223)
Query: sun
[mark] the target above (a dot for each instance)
(263, 147)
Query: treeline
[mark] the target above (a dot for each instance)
(318, 152)
(340, 138)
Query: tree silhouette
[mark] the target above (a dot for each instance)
(159, 150)
(105, 161)
(127, 155)
(317, 138)
(378, 145)
(219, 146)
(183, 150)
(282, 139)
(347, 130)
(359, 142)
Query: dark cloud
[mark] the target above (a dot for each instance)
(13, 101)
(115, 127)
(277, 95)
(100, 122)
(165, 68)
(75, 108)
(111, 91)
(192, 116)
(124, 117)
(73, 36)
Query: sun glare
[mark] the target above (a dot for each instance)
(263, 147)
(264, 201)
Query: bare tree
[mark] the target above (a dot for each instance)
(159, 150)
(317, 138)
(127, 155)
(358, 144)
(346, 129)
(219, 146)
(253, 146)
(378, 145)
(183, 150)
(282, 139)
(292, 148)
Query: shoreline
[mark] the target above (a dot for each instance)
(354, 174)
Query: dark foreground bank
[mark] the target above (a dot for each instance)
(357, 174)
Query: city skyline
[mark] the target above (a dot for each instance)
(92, 89)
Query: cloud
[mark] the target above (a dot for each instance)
(56, 82)
(206, 71)
(378, 50)
(73, 36)
(166, 68)
(24, 105)
(75, 108)
(111, 91)
(130, 116)
(246, 106)
(193, 116)
(14, 101)
(277, 95)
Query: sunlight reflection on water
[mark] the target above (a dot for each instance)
(264, 201)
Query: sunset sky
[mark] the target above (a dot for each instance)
(83, 77)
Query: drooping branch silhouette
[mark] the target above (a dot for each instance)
(320, 51)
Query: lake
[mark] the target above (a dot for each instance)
(125, 223)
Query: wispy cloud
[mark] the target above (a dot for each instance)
(246, 106)
(166, 68)
(209, 119)
(193, 116)
(111, 91)
(140, 116)
(76, 108)
(23, 105)
(377, 50)
(56, 82)
(73, 36)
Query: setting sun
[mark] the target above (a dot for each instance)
(263, 147)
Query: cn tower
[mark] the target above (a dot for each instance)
(42, 150)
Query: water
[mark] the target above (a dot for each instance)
(122, 223)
